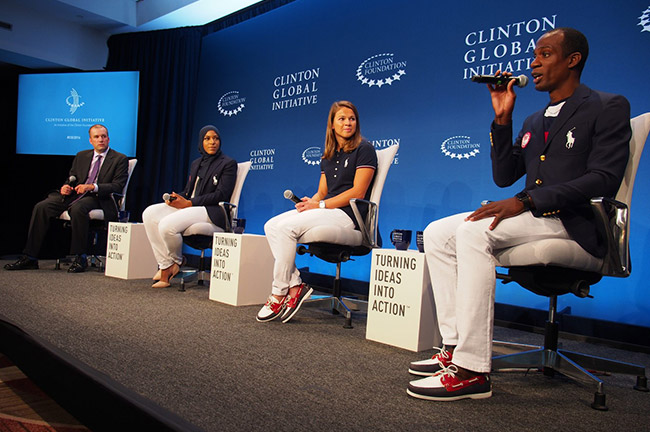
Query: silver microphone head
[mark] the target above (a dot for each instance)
(166, 196)
(522, 81)
(288, 194)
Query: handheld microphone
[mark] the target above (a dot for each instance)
(290, 196)
(520, 81)
(168, 197)
(72, 181)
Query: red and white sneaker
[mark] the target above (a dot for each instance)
(272, 309)
(446, 386)
(294, 303)
(433, 365)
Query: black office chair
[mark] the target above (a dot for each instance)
(555, 267)
(98, 225)
(335, 245)
(199, 235)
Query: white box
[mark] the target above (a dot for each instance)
(242, 269)
(401, 310)
(128, 252)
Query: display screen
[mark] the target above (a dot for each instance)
(56, 110)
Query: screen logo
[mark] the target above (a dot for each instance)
(73, 101)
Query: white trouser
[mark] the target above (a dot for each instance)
(283, 232)
(164, 225)
(462, 269)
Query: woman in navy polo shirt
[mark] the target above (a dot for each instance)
(348, 168)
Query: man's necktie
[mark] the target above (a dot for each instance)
(94, 170)
(92, 177)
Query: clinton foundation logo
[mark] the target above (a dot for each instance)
(231, 104)
(74, 101)
(644, 20)
(380, 70)
(460, 147)
(312, 155)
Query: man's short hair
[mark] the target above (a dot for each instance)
(574, 41)
(96, 126)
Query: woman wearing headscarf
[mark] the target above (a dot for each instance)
(212, 180)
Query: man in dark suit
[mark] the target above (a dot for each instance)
(575, 148)
(94, 177)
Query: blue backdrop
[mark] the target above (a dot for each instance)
(268, 84)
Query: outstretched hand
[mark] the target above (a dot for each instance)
(500, 210)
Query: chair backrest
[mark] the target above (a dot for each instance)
(617, 261)
(385, 158)
(640, 129)
(122, 200)
(242, 172)
(368, 228)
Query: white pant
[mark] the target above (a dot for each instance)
(283, 232)
(164, 225)
(462, 269)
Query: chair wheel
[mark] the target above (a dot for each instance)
(599, 402)
(641, 384)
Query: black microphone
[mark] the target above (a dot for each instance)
(520, 81)
(72, 180)
(168, 197)
(290, 196)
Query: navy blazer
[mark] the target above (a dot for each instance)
(216, 187)
(584, 156)
(111, 178)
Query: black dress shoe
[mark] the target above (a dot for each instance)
(78, 265)
(23, 263)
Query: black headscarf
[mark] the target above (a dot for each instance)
(206, 159)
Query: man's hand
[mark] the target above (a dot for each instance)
(83, 188)
(503, 100)
(180, 202)
(66, 189)
(500, 210)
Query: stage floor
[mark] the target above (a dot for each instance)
(215, 366)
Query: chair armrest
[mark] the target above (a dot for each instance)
(118, 198)
(612, 218)
(368, 227)
(229, 214)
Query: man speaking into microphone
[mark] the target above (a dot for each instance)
(94, 177)
(571, 150)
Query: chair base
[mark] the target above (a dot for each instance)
(201, 276)
(571, 364)
(97, 261)
(202, 273)
(338, 305)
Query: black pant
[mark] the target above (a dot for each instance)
(52, 207)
